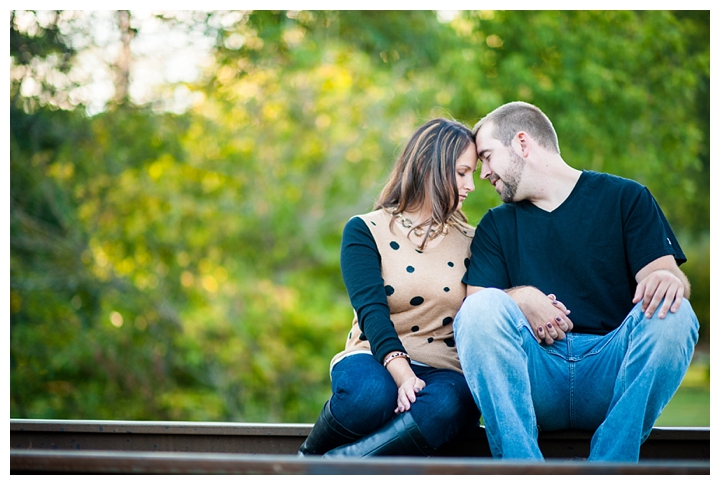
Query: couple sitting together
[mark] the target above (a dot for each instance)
(564, 309)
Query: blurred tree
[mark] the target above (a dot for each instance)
(187, 266)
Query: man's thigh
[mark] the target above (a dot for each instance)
(594, 374)
(594, 363)
(549, 374)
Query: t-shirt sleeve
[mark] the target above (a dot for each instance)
(487, 267)
(361, 268)
(648, 235)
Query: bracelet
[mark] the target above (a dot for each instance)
(395, 355)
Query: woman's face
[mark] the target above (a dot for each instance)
(465, 167)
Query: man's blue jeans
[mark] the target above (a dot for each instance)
(365, 396)
(616, 384)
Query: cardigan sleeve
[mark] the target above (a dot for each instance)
(361, 268)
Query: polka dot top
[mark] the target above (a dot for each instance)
(403, 298)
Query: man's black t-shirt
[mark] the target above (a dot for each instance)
(586, 252)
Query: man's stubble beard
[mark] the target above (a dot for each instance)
(512, 178)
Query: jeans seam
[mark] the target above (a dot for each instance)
(572, 393)
(623, 366)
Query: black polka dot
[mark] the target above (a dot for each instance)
(467, 262)
(447, 320)
(394, 245)
(450, 342)
(415, 328)
(389, 290)
(350, 335)
(418, 251)
(446, 289)
(373, 223)
(363, 337)
(430, 340)
(410, 269)
(417, 301)
(451, 264)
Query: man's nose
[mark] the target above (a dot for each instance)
(484, 172)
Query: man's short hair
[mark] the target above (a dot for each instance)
(511, 118)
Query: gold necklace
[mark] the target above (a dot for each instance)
(419, 232)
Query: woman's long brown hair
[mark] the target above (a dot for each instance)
(424, 174)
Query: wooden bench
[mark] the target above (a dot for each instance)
(80, 446)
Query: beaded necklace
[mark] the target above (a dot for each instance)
(418, 231)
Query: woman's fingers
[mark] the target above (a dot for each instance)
(407, 393)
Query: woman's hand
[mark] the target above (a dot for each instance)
(547, 316)
(406, 393)
(406, 380)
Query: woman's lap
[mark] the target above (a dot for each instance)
(364, 393)
(365, 396)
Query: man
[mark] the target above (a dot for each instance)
(577, 314)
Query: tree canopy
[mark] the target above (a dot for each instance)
(185, 265)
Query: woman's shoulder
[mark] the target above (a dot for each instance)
(465, 229)
(462, 226)
(370, 220)
(364, 225)
(376, 216)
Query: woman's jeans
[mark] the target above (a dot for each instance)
(365, 397)
(616, 384)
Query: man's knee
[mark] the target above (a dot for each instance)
(676, 331)
(681, 322)
(482, 308)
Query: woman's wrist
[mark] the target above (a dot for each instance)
(400, 370)
(395, 355)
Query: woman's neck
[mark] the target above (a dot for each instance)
(413, 224)
(417, 216)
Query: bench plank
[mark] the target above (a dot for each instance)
(128, 462)
(285, 439)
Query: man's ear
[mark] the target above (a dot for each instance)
(523, 140)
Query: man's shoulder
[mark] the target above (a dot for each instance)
(609, 190)
(503, 210)
(499, 219)
(610, 181)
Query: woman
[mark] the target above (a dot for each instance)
(397, 387)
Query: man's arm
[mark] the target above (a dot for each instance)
(547, 316)
(661, 280)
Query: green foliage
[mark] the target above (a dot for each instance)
(186, 267)
(689, 407)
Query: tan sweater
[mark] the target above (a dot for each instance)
(424, 291)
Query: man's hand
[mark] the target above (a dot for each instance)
(547, 316)
(661, 281)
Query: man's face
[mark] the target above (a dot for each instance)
(501, 165)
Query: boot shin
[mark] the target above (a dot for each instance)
(326, 434)
(399, 437)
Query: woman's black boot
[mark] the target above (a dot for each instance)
(327, 434)
(401, 437)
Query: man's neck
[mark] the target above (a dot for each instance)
(553, 186)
